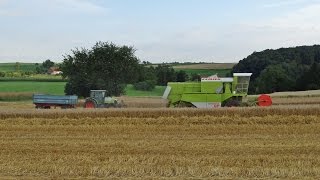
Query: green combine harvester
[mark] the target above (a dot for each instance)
(212, 92)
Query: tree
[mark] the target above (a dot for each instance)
(195, 77)
(147, 74)
(294, 62)
(274, 79)
(182, 76)
(47, 64)
(105, 67)
(165, 74)
(44, 67)
(311, 79)
(17, 66)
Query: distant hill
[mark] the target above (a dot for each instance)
(206, 66)
(206, 69)
(285, 69)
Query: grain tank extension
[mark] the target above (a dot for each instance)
(211, 92)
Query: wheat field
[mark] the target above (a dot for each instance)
(278, 142)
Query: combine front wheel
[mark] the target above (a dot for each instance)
(232, 103)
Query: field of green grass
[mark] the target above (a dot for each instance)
(7, 67)
(32, 87)
(158, 91)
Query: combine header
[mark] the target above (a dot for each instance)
(212, 92)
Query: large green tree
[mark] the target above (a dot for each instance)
(311, 79)
(274, 79)
(165, 74)
(104, 67)
(182, 76)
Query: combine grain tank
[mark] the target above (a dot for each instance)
(43, 101)
(211, 92)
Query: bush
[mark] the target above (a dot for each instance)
(144, 85)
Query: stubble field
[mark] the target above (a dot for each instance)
(278, 142)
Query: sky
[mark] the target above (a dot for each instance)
(159, 30)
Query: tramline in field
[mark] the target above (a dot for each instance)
(213, 92)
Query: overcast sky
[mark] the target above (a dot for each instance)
(160, 30)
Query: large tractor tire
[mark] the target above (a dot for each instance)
(90, 103)
(232, 103)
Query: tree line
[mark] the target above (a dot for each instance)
(285, 69)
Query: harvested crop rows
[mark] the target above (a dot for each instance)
(155, 143)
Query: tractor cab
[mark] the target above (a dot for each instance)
(98, 95)
(98, 99)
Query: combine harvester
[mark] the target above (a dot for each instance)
(213, 92)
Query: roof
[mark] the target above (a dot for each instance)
(242, 74)
(217, 80)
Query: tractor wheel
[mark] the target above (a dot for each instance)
(232, 103)
(90, 104)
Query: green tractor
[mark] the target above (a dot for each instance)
(212, 92)
(98, 99)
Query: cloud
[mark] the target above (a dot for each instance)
(40, 7)
(233, 42)
(283, 3)
(79, 6)
(295, 28)
(303, 18)
(6, 10)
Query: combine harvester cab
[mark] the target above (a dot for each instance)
(211, 92)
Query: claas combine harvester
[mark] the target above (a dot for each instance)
(213, 92)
